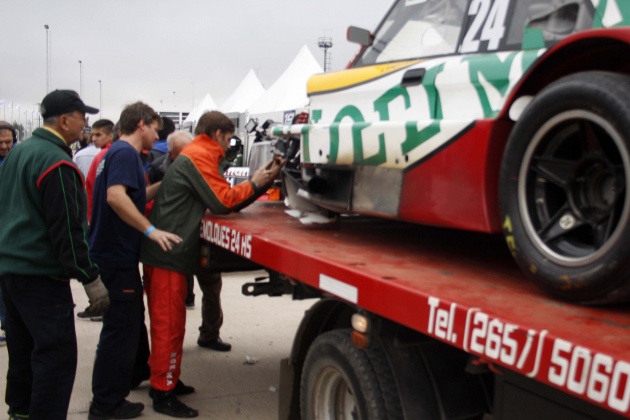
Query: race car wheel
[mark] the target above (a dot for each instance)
(340, 381)
(564, 188)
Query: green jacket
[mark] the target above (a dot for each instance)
(43, 227)
(192, 184)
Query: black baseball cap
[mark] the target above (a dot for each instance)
(59, 102)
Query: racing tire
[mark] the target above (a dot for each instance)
(340, 381)
(563, 188)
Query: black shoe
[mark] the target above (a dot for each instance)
(182, 389)
(216, 344)
(84, 315)
(179, 390)
(124, 410)
(167, 403)
(190, 304)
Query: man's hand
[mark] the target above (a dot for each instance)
(164, 239)
(269, 172)
(98, 296)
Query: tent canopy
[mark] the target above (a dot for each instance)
(206, 104)
(289, 91)
(247, 92)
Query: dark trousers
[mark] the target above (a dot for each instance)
(2, 311)
(211, 313)
(190, 294)
(123, 348)
(42, 345)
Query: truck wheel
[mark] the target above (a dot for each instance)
(564, 188)
(340, 381)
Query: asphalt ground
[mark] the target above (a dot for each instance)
(240, 384)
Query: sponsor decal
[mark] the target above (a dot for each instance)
(227, 238)
(578, 370)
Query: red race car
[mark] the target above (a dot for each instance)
(485, 115)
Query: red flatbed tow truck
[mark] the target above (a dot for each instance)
(419, 322)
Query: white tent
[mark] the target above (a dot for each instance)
(247, 92)
(289, 91)
(206, 104)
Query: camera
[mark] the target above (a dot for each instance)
(235, 149)
(286, 148)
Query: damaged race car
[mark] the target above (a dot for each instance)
(490, 116)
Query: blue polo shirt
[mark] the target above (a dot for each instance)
(113, 242)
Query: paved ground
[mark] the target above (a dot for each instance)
(227, 388)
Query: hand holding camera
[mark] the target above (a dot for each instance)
(268, 173)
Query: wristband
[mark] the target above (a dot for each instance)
(256, 187)
(149, 230)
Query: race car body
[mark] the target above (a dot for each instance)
(486, 115)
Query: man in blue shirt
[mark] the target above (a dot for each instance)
(120, 195)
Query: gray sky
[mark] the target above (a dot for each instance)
(148, 49)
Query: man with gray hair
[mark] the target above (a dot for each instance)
(175, 142)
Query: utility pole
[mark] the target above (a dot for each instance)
(47, 61)
(81, 78)
(100, 96)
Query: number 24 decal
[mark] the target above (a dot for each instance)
(488, 24)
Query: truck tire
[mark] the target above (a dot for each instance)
(340, 381)
(563, 188)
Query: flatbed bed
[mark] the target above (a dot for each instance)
(461, 288)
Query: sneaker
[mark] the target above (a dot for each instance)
(217, 344)
(180, 389)
(167, 403)
(15, 416)
(84, 315)
(124, 410)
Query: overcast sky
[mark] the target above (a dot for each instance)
(148, 49)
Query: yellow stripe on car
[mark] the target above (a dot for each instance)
(329, 82)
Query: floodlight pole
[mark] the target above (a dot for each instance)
(325, 43)
(100, 98)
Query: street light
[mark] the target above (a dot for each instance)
(100, 95)
(47, 61)
(80, 78)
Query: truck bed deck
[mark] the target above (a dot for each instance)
(460, 287)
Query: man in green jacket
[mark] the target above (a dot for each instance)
(43, 244)
(193, 183)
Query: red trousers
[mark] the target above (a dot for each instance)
(166, 295)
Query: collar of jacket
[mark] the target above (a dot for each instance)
(210, 143)
(50, 136)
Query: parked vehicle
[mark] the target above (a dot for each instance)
(475, 117)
